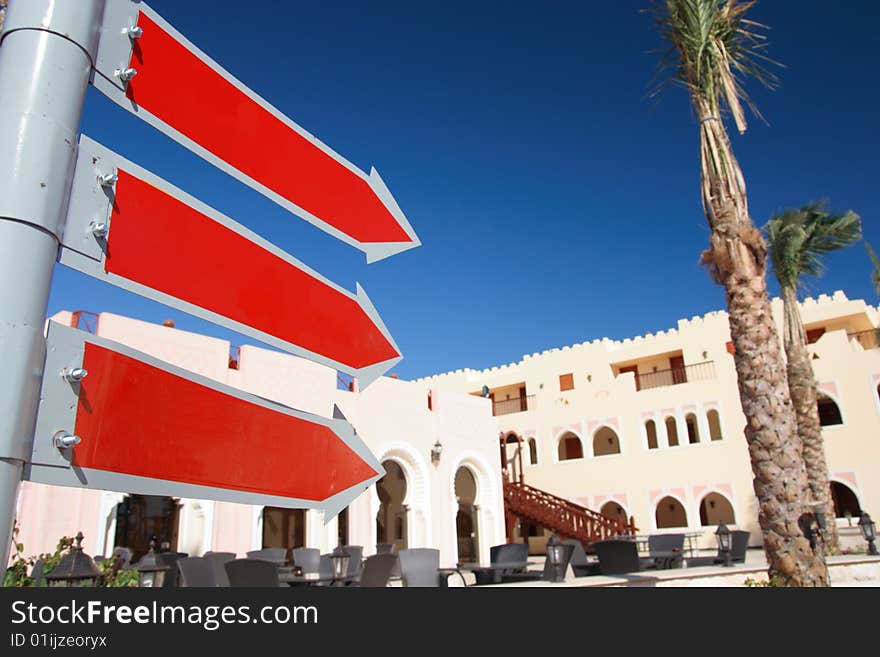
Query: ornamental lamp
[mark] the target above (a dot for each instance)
(556, 558)
(151, 571)
(340, 558)
(76, 568)
(722, 535)
(866, 526)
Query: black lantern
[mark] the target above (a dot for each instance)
(556, 558)
(151, 571)
(76, 568)
(866, 526)
(340, 558)
(722, 535)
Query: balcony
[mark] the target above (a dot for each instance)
(676, 375)
(515, 405)
(869, 339)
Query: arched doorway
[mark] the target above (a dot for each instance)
(829, 411)
(570, 447)
(391, 519)
(845, 500)
(670, 513)
(605, 442)
(715, 509)
(466, 527)
(283, 528)
(141, 518)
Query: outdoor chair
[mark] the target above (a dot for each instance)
(617, 556)
(170, 559)
(513, 557)
(278, 556)
(420, 567)
(580, 565)
(377, 571)
(660, 547)
(385, 548)
(196, 572)
(307, 559)
(548, 573)
(739, 543)
(218, 561)
(252, 572)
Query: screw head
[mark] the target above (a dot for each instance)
(99, 228)
(107, 179)
(74, 374)
(66, 440)
(125, 74)
(135, 32)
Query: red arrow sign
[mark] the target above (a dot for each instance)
(167, 245)
(152, 422)
(182, 92)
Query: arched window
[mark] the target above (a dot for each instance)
(605, 442)
(714, 424)
(670, 513)
(672, 431)
(844, 500)
(692, 428)
(651, 433)
(533, 452)
(715, 509)
(829, 412)
(570, 447)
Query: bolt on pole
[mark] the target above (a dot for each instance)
(46, 55)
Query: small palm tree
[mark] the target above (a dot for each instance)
(714, 46)
(798, 240)
(875, 275)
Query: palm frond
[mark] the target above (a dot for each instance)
(714, 48)
(875, 275)
(798, 240)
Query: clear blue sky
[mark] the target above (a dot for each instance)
(556, 203)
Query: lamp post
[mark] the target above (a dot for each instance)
(555, 557)
(76, 568)
(866, 526)
(722, 535)
(151, 572)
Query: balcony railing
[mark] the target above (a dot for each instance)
(869, 339)
(516, 405)
(676, 375)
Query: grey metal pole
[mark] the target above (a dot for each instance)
(46, 56)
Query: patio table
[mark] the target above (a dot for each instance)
(492, 574)
(313, 579)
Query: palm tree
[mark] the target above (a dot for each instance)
(714, 46)
(875, 275)
(797, 241)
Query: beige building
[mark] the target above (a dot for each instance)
(652, 427)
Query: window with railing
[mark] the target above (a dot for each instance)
(515, 405)
(676, 375)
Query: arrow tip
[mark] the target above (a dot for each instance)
(366, 375)
(375, 251)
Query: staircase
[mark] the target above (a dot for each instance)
(567, 519)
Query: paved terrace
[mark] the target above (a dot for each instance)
(845, 571)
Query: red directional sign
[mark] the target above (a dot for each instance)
(182, 92)
(161, 243)
(145, 425)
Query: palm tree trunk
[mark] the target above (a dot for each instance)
(802, 384)
(737, 259)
